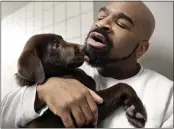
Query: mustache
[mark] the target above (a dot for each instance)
(104, 32)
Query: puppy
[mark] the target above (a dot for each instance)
(48, 55)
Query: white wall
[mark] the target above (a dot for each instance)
(72, 20)
(159, 57)
(7, 8)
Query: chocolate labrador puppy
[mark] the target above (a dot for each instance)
(48, 55)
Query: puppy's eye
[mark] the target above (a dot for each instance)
(55, 46)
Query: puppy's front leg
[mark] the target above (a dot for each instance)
(122, 94)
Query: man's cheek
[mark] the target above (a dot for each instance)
(116, 52)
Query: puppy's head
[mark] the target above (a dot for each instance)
(44, 53)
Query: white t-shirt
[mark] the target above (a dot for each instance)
(154, 90)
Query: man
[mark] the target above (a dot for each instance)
(119, 37)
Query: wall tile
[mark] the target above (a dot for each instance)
(48, 29)
(59, 14)
(48, 17)
(73, 9)
(60, 29)
(48, 5)
(73, 27)
(60, 0)
(86, 6)
(74, 40)
(38, 15)
(29, 10)
(40, 31)
(86, 22)
(83, 37)
(21, 17)
(57, 3)
(29, 26)
(16, 17)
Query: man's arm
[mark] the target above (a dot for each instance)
(62, 96)
(168, 115)
(18, 107)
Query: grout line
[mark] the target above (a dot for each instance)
(66, 20)
(80, 22)
(49, 7)
(73, 37)
(53, 17)
(79, 14)
(33, 25)
(42, 6)
(59, 3)
(26, 20)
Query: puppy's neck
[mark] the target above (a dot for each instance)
(55, 71)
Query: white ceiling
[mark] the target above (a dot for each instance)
(9, 7)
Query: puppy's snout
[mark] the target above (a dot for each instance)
(79, 49)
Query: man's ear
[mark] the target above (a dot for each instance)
(142, 48)
(30, 67)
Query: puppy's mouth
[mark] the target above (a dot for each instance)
(96, 40)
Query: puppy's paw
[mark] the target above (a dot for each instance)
(135, 112)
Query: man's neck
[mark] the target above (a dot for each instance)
(123, 71)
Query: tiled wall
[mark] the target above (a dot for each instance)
(72, 20)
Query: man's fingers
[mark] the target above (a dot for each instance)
(67, 120)
(87, 112)
(93, 107)
(64, 115)
(78, 115)
(96, 97)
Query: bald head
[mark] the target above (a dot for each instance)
(127, 28)
(140, 14)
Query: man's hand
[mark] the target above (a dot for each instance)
(68, 96)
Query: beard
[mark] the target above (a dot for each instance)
(98, 56)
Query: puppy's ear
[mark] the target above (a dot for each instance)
(30, 67)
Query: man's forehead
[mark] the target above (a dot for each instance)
(128, 8)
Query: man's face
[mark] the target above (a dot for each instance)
(114, 36)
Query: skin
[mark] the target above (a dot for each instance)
(80, 101)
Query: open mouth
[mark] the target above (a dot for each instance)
(97, 40)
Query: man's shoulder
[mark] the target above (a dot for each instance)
(158, 78)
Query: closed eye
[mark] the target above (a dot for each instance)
(121, 25)
(100, 18)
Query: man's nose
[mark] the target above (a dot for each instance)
(105, 24)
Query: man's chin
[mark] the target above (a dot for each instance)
(99, 61)
(97, 57)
